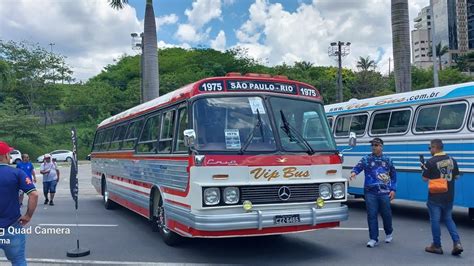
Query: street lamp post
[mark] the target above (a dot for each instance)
(339, 50)
(51, 44)
(137, 44)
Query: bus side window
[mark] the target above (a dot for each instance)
(441, 117)
(107, 138)
(399, 121)
(118, 137)
(472, 118)
(166, 133)
(330, 121)
(149, 136)
(451, 117)
(358, 124)
(132, 134)
(98, 140)
(343, 124)
(182, 125)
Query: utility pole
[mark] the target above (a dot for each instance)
(137, 44)
(339, 50)
(433, 48)
(51, 44)
(389, 63)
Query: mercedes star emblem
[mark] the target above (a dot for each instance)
(284, 193)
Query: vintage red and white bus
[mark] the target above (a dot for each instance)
(224, 157)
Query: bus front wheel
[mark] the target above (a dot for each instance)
(158, 222)
(108, 204)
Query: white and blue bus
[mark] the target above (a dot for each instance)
(407, 122)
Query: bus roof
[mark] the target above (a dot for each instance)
(462, 90)
(231, 83)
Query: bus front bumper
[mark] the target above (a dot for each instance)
(256, 222)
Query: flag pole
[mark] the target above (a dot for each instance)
(74, 188)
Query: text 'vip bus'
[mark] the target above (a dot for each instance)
(407, 122)
(224, 157)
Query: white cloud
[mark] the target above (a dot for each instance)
(90, 33)
(277, 36)
(164, 20)
(201, 13)
(229, 2)
(219, 43)
(187, 33)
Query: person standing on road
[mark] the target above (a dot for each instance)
(28, 168)
(50, 173)
(440, 204)
(380, 186)
(11, 181)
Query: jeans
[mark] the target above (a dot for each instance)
(375, 204)
(49, 187)
(438, 213)
(13, 245)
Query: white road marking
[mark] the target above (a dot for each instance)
(353, 228)
(81, 225)
(99, 262)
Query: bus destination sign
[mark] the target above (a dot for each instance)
(249, 85)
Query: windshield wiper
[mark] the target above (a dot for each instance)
(287, 128)
(250, 137)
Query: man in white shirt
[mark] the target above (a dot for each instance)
(50, 172)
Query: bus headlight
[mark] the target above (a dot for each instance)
(325, 191)
(338, 191)
(231, 195)
(212, 196)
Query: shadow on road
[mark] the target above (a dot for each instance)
(416, 211)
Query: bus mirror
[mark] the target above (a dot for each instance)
(352, 139)
(189, 137)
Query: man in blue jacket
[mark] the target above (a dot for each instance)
(11, 221)
(380, 186)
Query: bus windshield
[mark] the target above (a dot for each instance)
(243, 124)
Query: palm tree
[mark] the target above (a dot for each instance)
(401, 45)
(365, 63)
(150, 78)
(440, 51)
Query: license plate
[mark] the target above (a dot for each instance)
(286, 219)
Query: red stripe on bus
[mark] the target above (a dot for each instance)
(172, 224)
(178, 203)
(145, 212)
(131, 181)
(134, 190)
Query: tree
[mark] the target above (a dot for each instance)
(465, 62)
(365, 63)
(151, 83)
(31, 68)
(440, 51)
(16, 122)
(401, 45)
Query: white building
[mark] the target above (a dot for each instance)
(421, 39)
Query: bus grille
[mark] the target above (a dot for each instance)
(269, 194)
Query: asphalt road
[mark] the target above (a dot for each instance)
(122, 237)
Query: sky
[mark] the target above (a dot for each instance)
(92, 35)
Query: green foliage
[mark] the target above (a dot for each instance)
(29, 76)
(16, 122)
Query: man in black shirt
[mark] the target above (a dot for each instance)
(440, 205)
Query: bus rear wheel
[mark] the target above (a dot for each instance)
(158, 222)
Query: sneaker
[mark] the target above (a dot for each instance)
(51, 203)
(372, 243)
(46, 201)
(434, 249)
(388, 238)
(457, 249)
